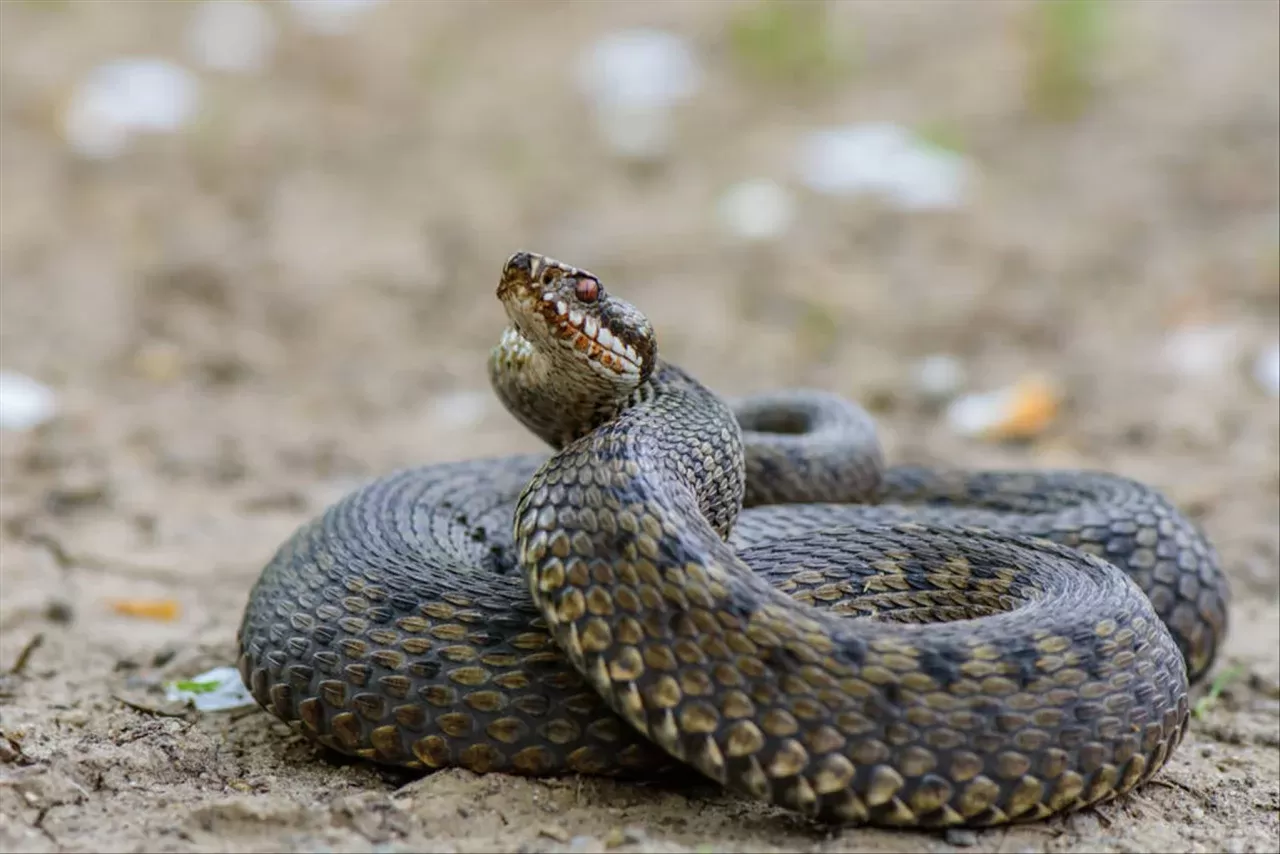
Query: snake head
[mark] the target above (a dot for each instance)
(563, 311)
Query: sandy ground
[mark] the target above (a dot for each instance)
(243, 322)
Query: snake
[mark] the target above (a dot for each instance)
(740, 588)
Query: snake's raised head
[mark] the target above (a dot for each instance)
(555, 305)
(573, 353)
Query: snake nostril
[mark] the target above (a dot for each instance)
(520, 262)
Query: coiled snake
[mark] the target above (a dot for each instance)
(894, 646)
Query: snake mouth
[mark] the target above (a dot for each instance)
(590, 336)
(548, 300)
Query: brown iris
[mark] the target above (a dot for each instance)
(587, 290)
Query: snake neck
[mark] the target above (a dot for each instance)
(682, 441)
(548, 391)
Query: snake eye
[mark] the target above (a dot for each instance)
(587, 290)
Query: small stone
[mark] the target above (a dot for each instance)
(755, 210)
(619, 836)
(885, 160)
(640, 133)
(230, 35)
(124, 97)
(10, 749)
(1201, 351)
(939, 376)
(459, 410)
(1021, 411)
(633, 78)
(24, 403)
(74, 717)
(59, 611)
(1266, 370)
(961, 838)
(330, 17)
(584, 843)
(78, 487)
(159, 362)
(554, 831)
(639, 67)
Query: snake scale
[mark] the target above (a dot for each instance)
(741, 587)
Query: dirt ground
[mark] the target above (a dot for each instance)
(244, 321)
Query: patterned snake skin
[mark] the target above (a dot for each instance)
(893, 646)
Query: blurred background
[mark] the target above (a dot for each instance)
(248, 253)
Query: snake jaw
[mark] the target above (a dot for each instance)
(586, 334)
(550, 301)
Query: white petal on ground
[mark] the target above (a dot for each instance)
(231, 35)
(637, 132)
(330, 17)
(757, 209)
(975, 414)
(1022, 410)
(639, 67)
(939, 376)
(126, 96)
(884, 159)
(215, 690)
(460, 409)
(1266, 370)
(633, 78)
(24, 403)
(924, 178)
(1202, 351)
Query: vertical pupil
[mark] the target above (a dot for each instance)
(587, 290)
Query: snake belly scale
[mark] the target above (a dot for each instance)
(739, 587)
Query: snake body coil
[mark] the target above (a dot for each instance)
(896, 646)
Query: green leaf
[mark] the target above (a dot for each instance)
(1219, 684)
(198, 687)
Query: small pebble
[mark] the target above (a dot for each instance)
(1266, 370)
(230, 35)
(1020, 411)
(583, 843)
(962, 838)
(554, 831)
(123, 97)
(639, 67)
(1201, 351)
(619, 836)
(758, 209)
(635, 132)
(24, 403)
(459, 410)
(886, 160)
(939, 376)
(59, 611)
(330, 17)
(633, 78)
(159, 361)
